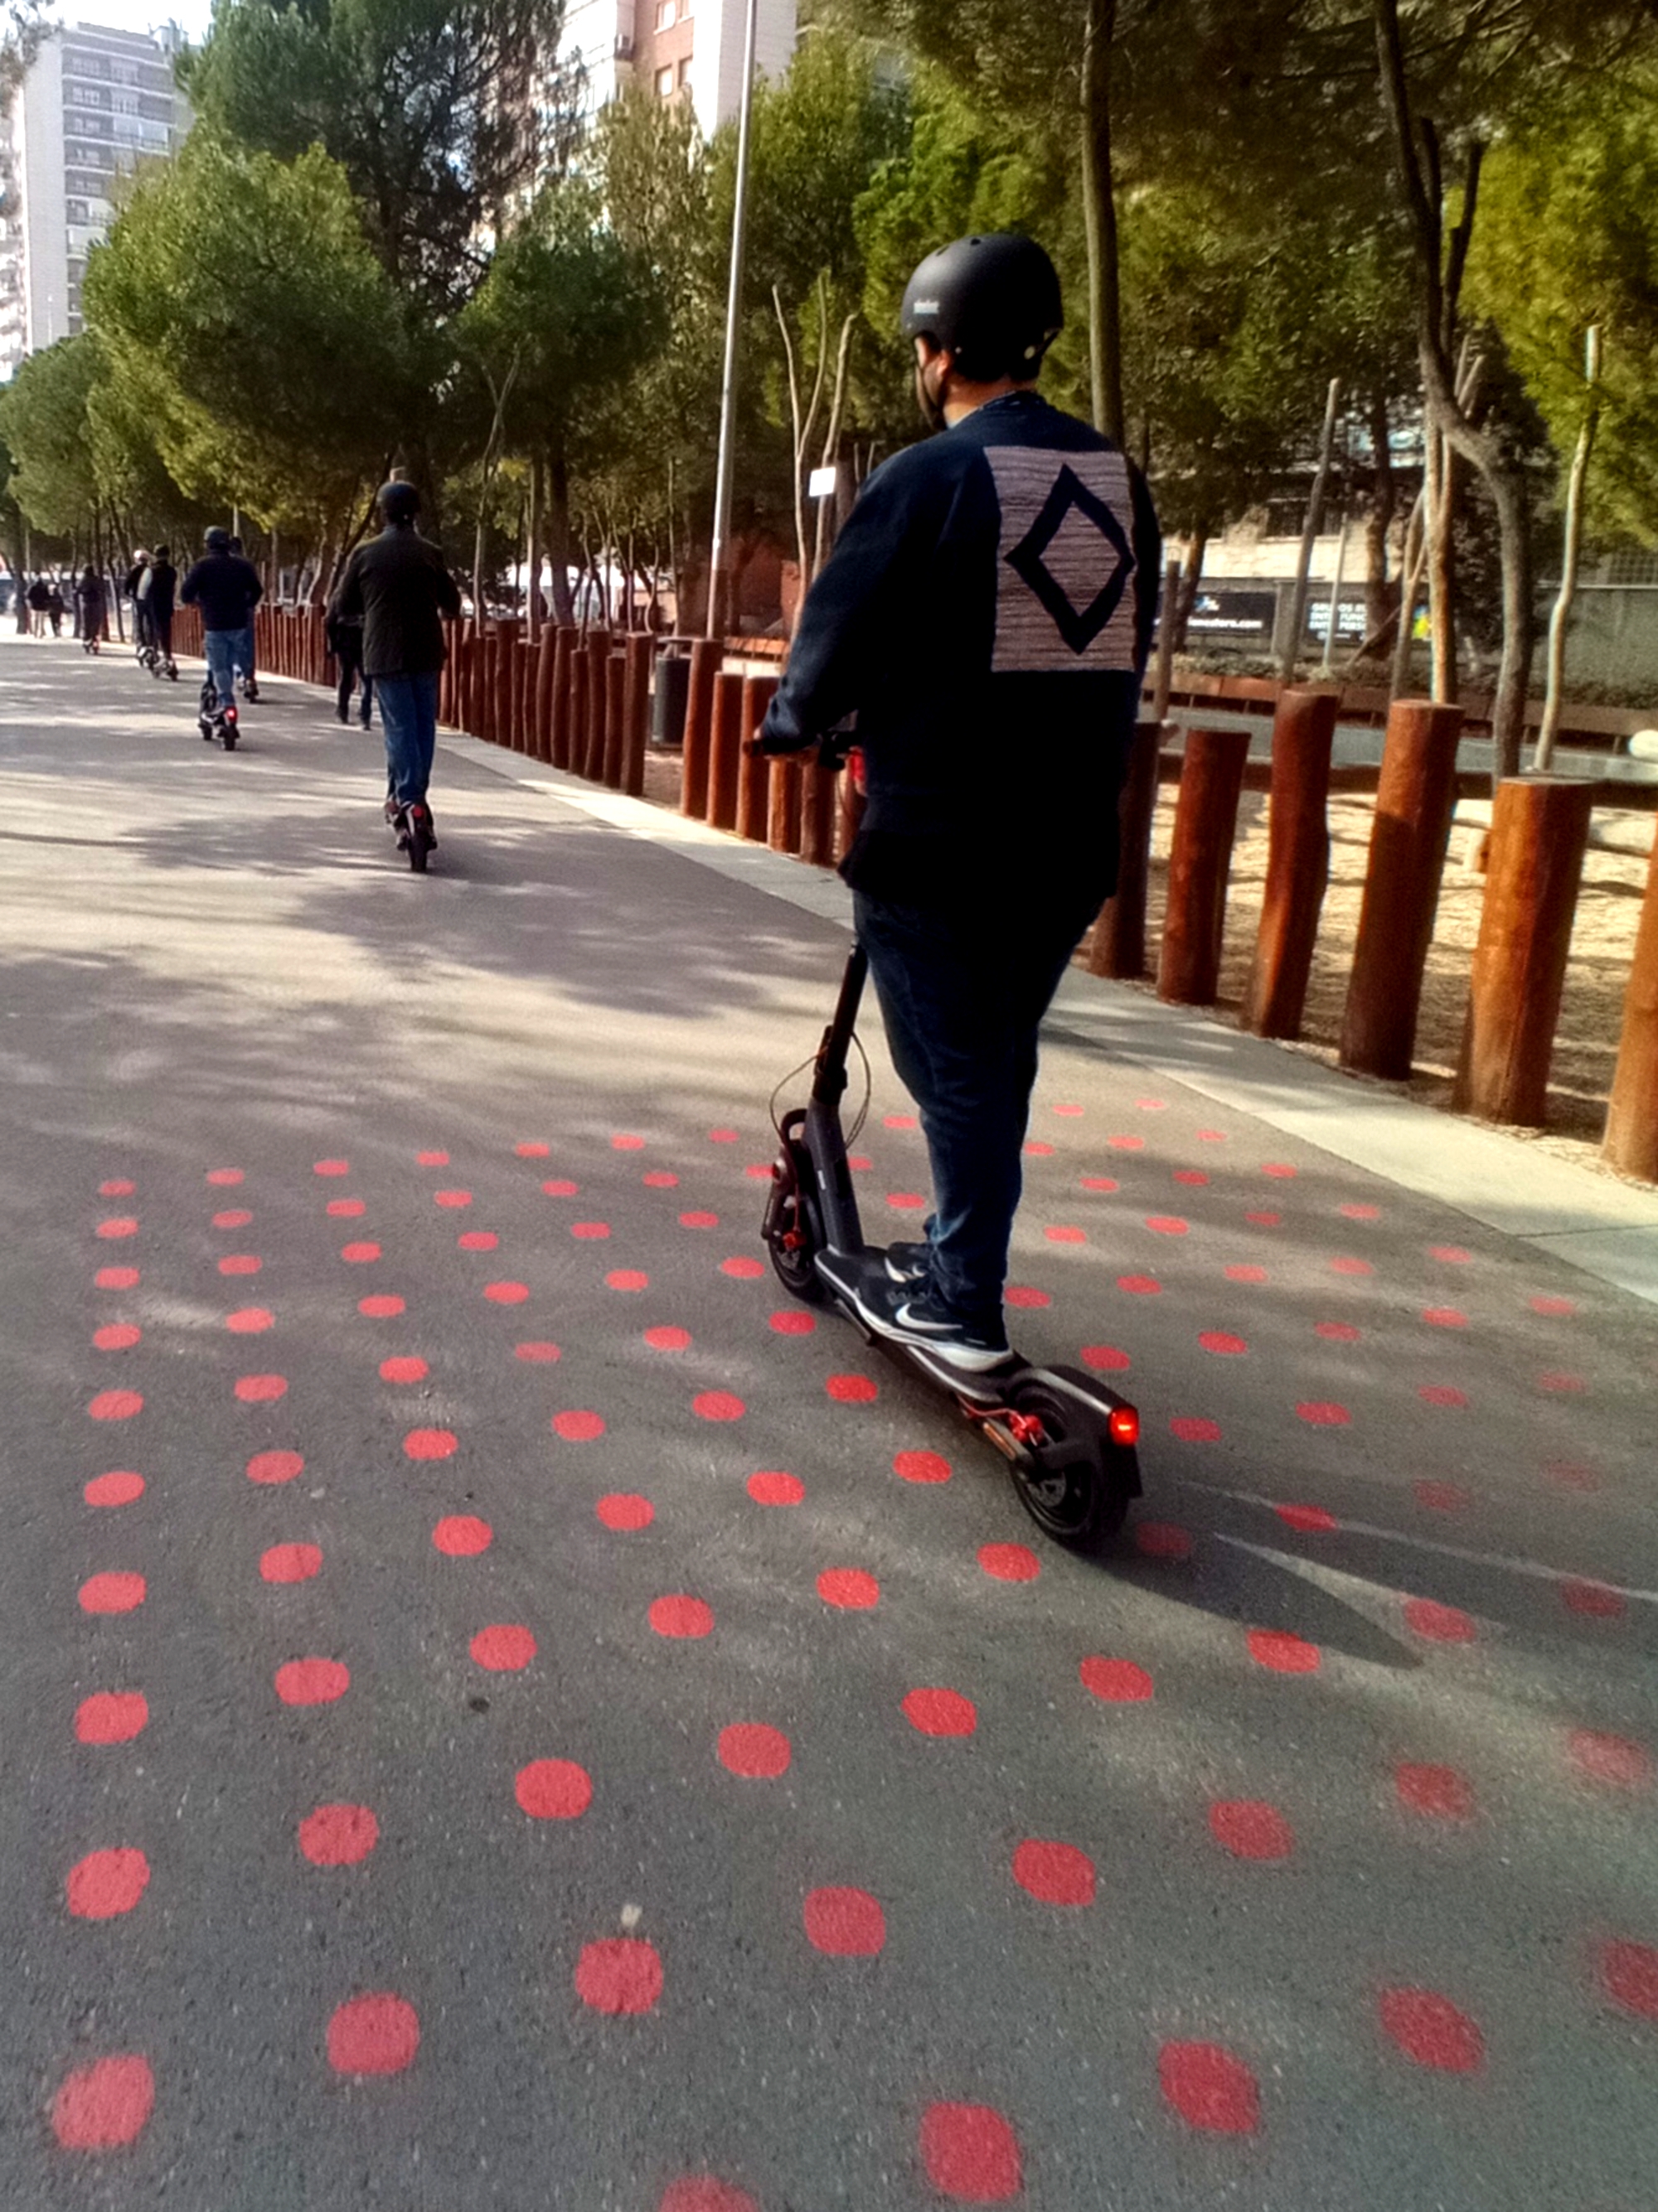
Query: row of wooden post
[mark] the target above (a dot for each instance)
(792, 804)
(1539, 832)
(578, 701)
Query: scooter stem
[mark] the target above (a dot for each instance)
(829, 1081)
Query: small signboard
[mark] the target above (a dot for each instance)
(1230, 618)
(822, 482)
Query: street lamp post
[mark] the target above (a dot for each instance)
(720, 558)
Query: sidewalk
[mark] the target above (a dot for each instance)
(509, 1713)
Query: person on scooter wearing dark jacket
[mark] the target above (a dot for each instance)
(986, 614)
(399, 586)
(161, 600)
(227, 588)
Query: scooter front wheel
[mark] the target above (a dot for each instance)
(1065, 1463)
(792, 1229)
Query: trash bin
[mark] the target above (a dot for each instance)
(673, 691)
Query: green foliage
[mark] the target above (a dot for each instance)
(1568, 237)
(43, 420)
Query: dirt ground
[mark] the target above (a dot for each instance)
(1591, 1014)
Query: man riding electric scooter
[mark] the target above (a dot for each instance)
(986, 614)
(227, 588)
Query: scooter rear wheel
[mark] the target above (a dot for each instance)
(1063, 1472)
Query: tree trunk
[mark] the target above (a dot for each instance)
(1444, 486)
(1380, 598)
(1507, 490)
(558, 539)
(1191, 583)
(1100, 222)
(532, 552)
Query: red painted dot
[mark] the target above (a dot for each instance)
(117, 1278)
(1168, 1225)
(1282, 1653)
(1100, 1182)
(117, 1336)
(117, 1187)
(462, 1536)
(852, 1390)
(722, 1136)
(773, 1488)
(718, 1405)
(290, 1563)
(1069, 1112)
(1437, 1624)
(1323, 1413)
(1194, 1178)
(1615, 1760)
(1212, 1136)
(275, 1466)
(629, 1278)
(622, 1509)
(1442, 1394)
(1444, 1317)
(121, 1488)
(849, 1589)
(941, 1712)
(845, 1923)
(1558, 1308)
(578, 1426)
(1246, 1272)
(1361, 1213)
(236, 1218)
(1349, 1266)
(1560, 1385)
(590, 1232)
(744, 1270)
(921, 1467)
(116, 1405)
(660, 1179)
(757, 1752)
(1313, 1520)
(681, 1616)
(900, 1121)
(112, 1593)
(1336, 1331)
(1162, 1540)
(1209, 2089)
(790, 1321)
(1265, 1220)
(382, 1307)
(1105, 1358)
(971, 2153)
(332, 1168)
(540, 1351)
(223, 1177)
(627, 1143)
(1022, 1296)
(1115, 1681)
(1010, 1563)
(106, 2104)
(668, 1339)
(1126, 1144)
(1280, 1170)
(1139, 1286)
(1194, 1429)
(1453, 1256)
(909, 1201)
(620, 1974)
(117, 1227)
(409, 1370)
(1059, 1232)
(430, 1443)
(261, 1389)
(1629, 1975)
(1037, 1151)
(441, 1159)
(1250, 1829)
(506, 1294)
(112, 1716)
(374, 2034)
(106, 1884)
(1596, 1600)
(250, 1321)
(860, 1162)
(1430, 2030)
(1571, 1475)
(505, 1647)
(553, 1789)
(560, 1188)
(338, 1835)
(1054, 1873)
(1219, 1340)
(526, 1151)
(345, 1209)
(478, 1240)
(1439, 1793)
(312, 1681)
(359, 1255)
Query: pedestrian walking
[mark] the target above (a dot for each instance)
(91, 619)
(344, 636)
(55, 604)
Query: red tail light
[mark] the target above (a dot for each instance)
(1125, 1426)
(855, 770)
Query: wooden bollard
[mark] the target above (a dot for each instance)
(446, 679)
(529, 656)
(1205, 823)
(576, 717)
(597, 656)
(706, 653)
(637, 712)
(1413, 803)
(564, 662)
(783, 807)
(541, 713)
(1298, 862)
(754, 770)
(725, 751)
(1539, 830)
(853, 805)
(1118, 945)
(1631, 1139)
(615, 726)
(820, 799)
(506, 679)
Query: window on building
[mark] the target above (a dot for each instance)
(667, 13)
(664, 84)
(684, 72)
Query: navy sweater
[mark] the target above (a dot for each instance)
(986, 614)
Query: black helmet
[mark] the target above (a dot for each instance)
(217, 540)
(993, 302)
(398, 501)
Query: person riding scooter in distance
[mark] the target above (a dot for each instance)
(986, 614)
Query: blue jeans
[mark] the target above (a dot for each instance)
(244, 644)
(409, 715)
(220, 647)
(963, 999)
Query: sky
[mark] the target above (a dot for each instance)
(192, 15)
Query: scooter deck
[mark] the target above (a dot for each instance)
(846, 1272)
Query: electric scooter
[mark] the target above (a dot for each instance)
(1068, 1441)
(217, 718)
(412, 828)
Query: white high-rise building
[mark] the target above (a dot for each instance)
(95, 103)
(680, 48)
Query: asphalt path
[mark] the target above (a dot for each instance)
(504, 1711)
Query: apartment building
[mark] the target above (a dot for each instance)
(689, 49)
(94, 104)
